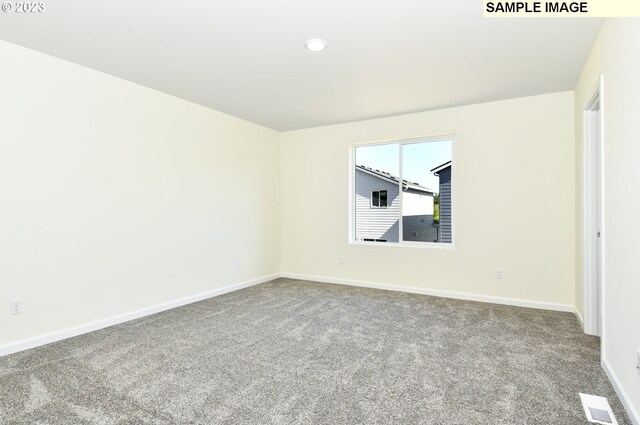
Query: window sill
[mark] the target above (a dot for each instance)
(420, 245)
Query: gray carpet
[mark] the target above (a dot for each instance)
(294, 352)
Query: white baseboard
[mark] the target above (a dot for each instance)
(579, 317)
(622, 394)
(435, 292)
(48, 338)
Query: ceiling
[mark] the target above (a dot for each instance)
(247, 58)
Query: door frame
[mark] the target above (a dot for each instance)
(593, 261)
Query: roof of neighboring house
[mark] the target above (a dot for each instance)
(393, 179)
(440, 167)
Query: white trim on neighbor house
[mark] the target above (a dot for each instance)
(441, 167)
(48, 338)
(434, 292)
(622, 394)
(380, 176)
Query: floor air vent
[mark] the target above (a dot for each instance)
(597, 409)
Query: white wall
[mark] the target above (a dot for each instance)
(504, 152)
(615, 55)
(115, 197)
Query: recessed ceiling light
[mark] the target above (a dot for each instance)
(315, 44)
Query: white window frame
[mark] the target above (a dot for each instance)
(400, 143)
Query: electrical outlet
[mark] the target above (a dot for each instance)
(499, 274)
(15, 306)
(237, 264)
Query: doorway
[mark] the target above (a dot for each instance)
(593, 234)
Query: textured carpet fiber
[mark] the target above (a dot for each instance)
(294, 352)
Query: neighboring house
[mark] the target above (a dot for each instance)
(444, 173)
(377, 209)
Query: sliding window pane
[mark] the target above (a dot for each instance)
(426, 192)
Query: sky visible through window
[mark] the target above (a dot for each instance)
(418, 160)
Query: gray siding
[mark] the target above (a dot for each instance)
(446, 235)
(376, 223)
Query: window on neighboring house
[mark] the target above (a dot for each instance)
(403, 192)
(379, 198)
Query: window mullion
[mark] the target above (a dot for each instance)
(401, 195)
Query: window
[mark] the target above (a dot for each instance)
(379, 199)
(403, 192)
